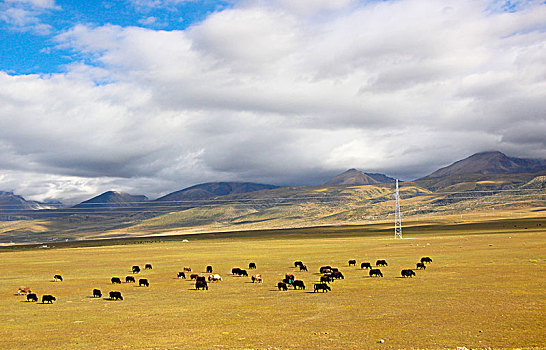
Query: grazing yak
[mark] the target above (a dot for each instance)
(193, 276)
(322, 287)
(298, 263)
(32, 297)
(298, 284)
(352, 262)
(187, 269)
(326, 278)
(143, 282)
(97, 293)
(181, 275)
(58, 278)
(215, 278)
(338, 275)
(136, 269)
(407, 273)
(148, 267)
(325, 269)
(235, 271)
(129, 279)
(381, 263)
(426, 259)
(366, 265)
(201, 285)
(303, 267)
(115, 295)
(420, 266)
(24, 290)
(251, 266)
(376, 272)
(282, 286)
(209, 269)
(257, 279)
(115, 280)
(239, 272)
(48, 299)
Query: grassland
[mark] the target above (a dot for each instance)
(486, 288)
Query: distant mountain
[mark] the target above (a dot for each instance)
(490, 163)
(354, 177)
(10, 202)
(214, 189)
(112, 200)
(538, 182)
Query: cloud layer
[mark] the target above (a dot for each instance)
(284, 92)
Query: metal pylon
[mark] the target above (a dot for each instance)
(397, 216)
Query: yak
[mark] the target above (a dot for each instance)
(298, 284)
(48, 299)
(115, 295)
(407, 273)
(376, 272)
(143, 282)
(201, 285)
(322, 287)
(366, 265)
(426, 259)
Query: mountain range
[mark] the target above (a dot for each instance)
(490, 163)
(470, 168)
(483, 180)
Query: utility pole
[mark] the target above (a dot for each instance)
(397, 215)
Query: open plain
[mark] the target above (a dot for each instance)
(486, 288)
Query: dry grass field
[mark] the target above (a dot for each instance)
(486, 288)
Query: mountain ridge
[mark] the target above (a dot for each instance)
(491, 162)
(355, 177)
(209, 190)
(112, 200)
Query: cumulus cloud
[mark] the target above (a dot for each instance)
(285, 92)
(24, 15)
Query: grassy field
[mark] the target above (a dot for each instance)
(486, 288)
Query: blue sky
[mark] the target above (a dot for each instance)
(27, 44)
(151, 96)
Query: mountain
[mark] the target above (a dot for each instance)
(354, 177)
(214, 189)
(10, 202)
(112, 200)
(490, 163)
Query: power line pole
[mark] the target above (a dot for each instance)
(397, 215)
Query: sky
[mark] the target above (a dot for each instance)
(152, 96)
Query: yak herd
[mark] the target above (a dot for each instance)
(327, 275)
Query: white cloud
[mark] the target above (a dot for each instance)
(282, 92)
(24, 15)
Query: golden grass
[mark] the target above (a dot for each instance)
(485, 289)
